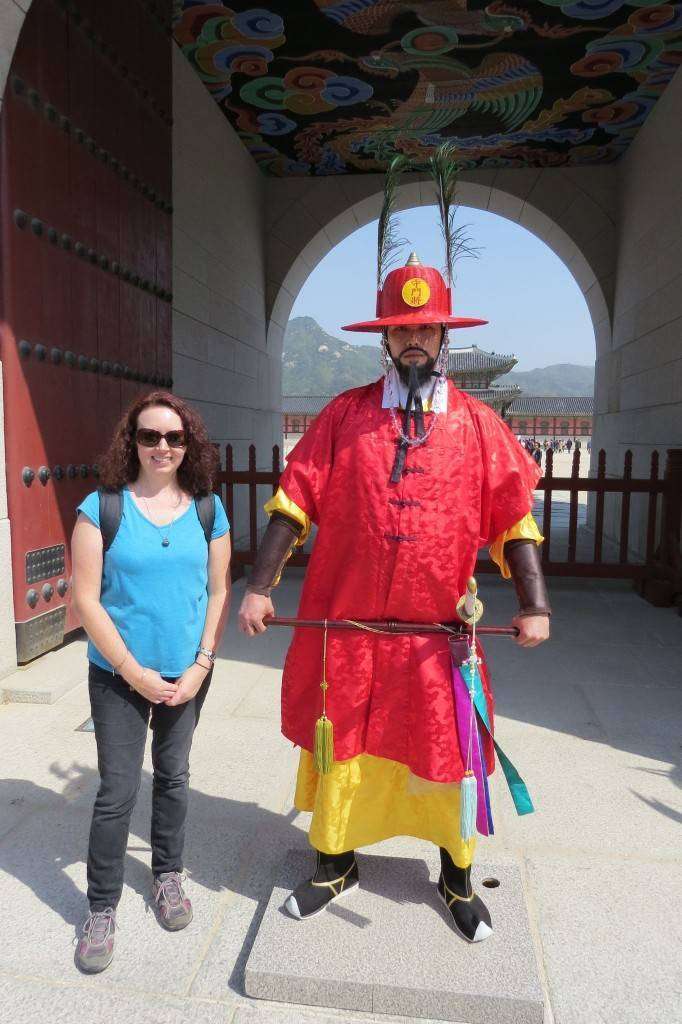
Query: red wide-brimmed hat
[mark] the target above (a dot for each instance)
(414, 294)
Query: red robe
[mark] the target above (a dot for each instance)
(394, 551)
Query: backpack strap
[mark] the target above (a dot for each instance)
(110, 515)
(205, 506)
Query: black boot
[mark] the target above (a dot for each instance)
(468, 911)
(335, 875)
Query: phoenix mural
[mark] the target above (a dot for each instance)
(317, 87)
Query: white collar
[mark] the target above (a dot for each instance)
(434, 392)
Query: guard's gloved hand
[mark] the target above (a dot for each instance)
(532, 621)
(278, 540)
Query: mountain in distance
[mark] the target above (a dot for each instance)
(558, 380)
(316, 363)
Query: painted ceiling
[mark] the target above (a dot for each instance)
(316, 87)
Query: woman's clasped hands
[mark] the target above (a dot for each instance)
(188, 685)
(149, 684)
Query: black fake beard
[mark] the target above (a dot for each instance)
(424, 370)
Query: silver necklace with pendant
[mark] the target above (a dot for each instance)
(165, 540)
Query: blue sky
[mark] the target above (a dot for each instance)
(535, 308)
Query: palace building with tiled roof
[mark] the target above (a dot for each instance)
(473, 370)
(298, 412)
(547, 416)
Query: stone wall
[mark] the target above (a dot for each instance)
(222, 362)
(638, 401)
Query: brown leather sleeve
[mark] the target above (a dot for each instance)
(523, 559)
(279, 538)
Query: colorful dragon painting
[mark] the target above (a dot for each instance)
(341, 86)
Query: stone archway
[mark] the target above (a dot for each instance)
(572, 210)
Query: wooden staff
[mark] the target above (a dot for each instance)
(394, 627)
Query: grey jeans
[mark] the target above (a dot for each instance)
(121, 717)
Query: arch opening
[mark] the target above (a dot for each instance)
(591, 262)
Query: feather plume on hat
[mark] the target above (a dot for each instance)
(445, 171)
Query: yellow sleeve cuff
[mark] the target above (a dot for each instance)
(279, 502)
(525, 529)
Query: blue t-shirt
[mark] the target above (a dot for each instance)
(156, 596)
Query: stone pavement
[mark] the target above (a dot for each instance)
(592, 720)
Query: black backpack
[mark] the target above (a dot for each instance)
(111, 511)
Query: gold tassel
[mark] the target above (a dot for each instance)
(323, 756)
(323, 752)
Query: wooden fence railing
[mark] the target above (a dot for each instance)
(661, 559)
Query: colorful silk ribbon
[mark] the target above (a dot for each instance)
(461, 681)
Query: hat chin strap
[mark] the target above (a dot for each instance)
(443, 351)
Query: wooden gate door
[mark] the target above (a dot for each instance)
(85, 245)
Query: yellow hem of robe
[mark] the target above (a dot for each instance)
(367, 799)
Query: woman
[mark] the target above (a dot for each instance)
(154, 605)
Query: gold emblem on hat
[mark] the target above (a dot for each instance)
(416, 292)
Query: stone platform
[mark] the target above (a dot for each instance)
(389, 948)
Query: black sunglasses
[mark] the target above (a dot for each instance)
(152, 438)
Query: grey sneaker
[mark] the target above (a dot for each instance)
(175, 909)
(95, 949)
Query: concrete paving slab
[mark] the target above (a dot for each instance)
(566, 662)
(597, 799)
(232, 682)
(21, 799)
(24, 1002)
(44, 904)
(249, 757)
(222, 968)
(46, 679)
(638, 711)
(77, 695)
(663, 621)
(611, 939)
(587, 626)
(564, 708)
(390, 949)
(44, 759)
(662, 665)
(270, 1013)
(263, 700)
(231, 843)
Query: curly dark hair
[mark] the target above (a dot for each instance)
(120, 464)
